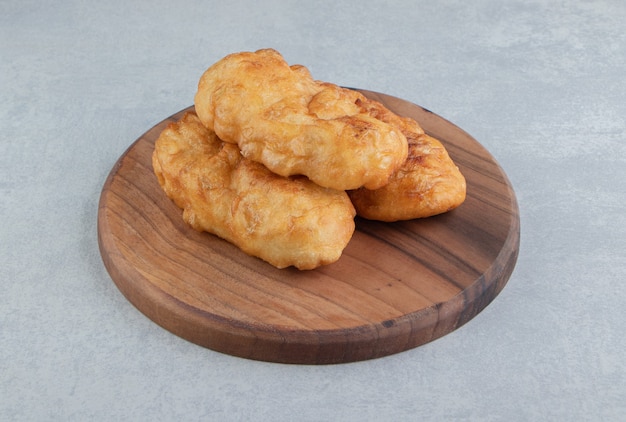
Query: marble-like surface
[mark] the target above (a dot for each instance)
(541, 84)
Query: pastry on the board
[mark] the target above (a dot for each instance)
(281, 117)
(427, 184)
(286, 221)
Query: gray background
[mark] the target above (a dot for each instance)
(541, 84)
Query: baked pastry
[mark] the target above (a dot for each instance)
(294, 125)
(286, 221)
(428, 183)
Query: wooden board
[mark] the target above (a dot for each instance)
(396, 286)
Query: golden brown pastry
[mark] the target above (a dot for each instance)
(284, 221)
(281, 117)
(428, 183)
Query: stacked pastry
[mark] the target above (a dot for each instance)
(279, 164)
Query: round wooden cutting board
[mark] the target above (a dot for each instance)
(396, 286)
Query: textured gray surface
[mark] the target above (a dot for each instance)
(541, 84)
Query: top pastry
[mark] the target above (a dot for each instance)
(294, 125)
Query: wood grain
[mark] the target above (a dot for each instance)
(397, 285)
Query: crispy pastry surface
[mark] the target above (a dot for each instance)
(428, 183)
(281, 117)
(284, 221)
